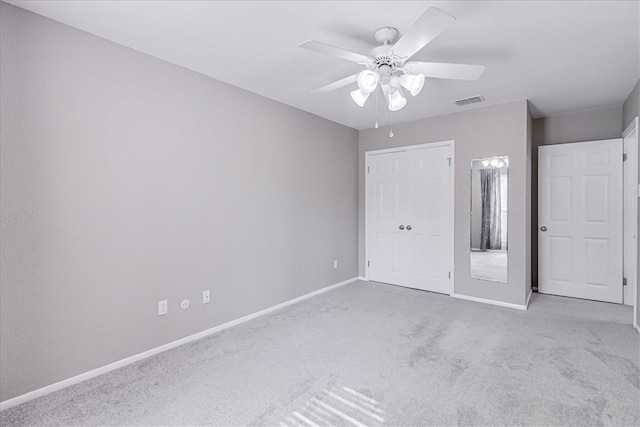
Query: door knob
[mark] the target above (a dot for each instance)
(408, 227)
(402, 227)
(543, 228)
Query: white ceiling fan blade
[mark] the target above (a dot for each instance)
(440, 70)
(429, 26)
(335, 51)
(337, 85)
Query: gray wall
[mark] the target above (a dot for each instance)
(585, 126)
(126, 180)
(486, 132)
(631, 107)
(591, 125)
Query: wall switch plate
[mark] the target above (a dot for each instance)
(206, 296)
(335, 263)
(185, 304)
(162, 307)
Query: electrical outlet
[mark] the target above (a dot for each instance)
(206, 296)
(185, 304)
(335, 263)
(162, 307)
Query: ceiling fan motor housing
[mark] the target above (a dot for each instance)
(385, 72)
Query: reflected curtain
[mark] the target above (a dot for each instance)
(490, 233)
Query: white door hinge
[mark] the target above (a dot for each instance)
(624, 281)
(624, 157)
(368, 263)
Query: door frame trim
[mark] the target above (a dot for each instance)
(634, 293)
(452, 192)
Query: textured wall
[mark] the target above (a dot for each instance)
(486, 132)
(126, 180)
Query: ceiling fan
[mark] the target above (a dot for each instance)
(388, 69)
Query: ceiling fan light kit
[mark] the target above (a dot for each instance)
(387, 69)
(412, 83)
(396, 99)
(359, 97)
(368, 81)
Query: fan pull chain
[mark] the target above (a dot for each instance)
(391, 131)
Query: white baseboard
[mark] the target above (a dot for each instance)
(637, 328)
(364, 279)
(526, 304)
(10, 403)
(492, 302)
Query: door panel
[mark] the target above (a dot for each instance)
(580, 205)
(560, 189)
(428, 215)
(560, 247)
(386, 193)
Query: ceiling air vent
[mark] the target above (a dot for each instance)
(472, 100)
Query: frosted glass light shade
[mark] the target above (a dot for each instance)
(368, 81)
(396, 100)
(413, 83)
(359, 97)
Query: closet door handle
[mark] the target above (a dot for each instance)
(408, 227)
(401, 227)
(543, 228)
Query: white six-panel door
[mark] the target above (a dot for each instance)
(580, 220)
(408, 218)
(385, 196)
(428, 243)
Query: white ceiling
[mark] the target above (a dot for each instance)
(563, 56)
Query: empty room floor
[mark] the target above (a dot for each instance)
(373, 354)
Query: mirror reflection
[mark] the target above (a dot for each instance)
(489, 184)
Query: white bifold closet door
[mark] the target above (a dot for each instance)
(408, 218)
(580, 220)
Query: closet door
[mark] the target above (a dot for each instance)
(385, 201)
(426, 242)
(408, 218)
